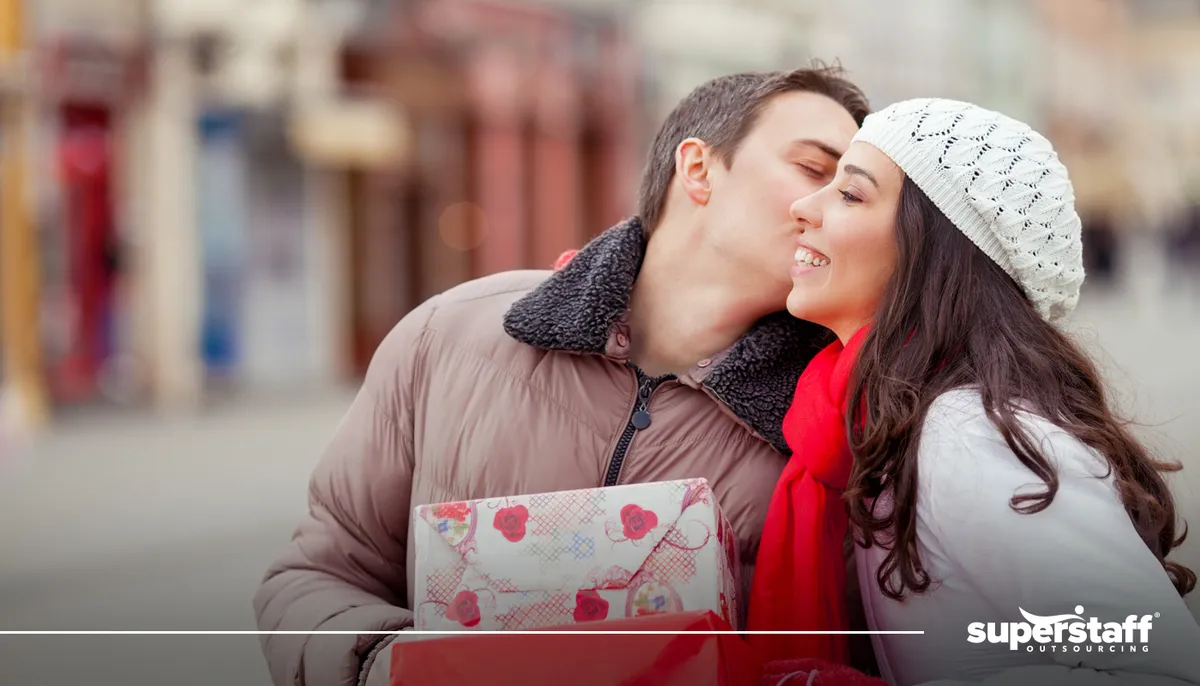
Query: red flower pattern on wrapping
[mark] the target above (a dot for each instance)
(456, 511)
(464, 609)
(510, 521)
(637, 522)
(590, 607)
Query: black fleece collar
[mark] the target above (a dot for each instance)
(576, 308)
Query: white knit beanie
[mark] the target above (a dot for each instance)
(999, 182)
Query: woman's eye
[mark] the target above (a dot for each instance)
(849, 198)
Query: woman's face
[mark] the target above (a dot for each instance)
(847, 244)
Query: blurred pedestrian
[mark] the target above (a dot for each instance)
(1182, 243)
(1100, 249)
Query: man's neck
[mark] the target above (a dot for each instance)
(682, 311)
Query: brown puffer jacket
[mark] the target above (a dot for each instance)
(511, 384)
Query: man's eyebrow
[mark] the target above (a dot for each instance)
(852, 169)
(820, 145)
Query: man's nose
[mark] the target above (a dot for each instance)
(807, 211)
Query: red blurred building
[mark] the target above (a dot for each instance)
(525, 128)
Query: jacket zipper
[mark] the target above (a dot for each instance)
(639, 419)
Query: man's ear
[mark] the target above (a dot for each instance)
(693, 167)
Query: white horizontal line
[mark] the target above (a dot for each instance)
(449, 633)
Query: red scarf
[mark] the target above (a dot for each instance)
(800, 576)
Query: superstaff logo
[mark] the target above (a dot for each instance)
(1067, 633)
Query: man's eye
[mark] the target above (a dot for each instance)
(813, 171)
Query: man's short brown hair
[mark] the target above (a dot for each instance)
(722, 111)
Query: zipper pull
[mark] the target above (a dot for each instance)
(641, 417)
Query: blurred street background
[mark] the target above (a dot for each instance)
(212, 212)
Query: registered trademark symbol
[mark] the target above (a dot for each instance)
(1158, 614)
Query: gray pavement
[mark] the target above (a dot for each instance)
(144, 523)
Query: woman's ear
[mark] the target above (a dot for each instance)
(693, 164)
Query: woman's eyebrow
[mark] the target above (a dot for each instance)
(855, 170)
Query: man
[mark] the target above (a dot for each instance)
(660, 351)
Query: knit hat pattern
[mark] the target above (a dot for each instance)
(1000, 182)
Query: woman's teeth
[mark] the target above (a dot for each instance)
(804, 256)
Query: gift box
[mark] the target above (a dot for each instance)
(549, 559)
(689, 651)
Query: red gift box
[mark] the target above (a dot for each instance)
(683, 657)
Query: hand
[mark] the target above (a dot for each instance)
(813, 672)
(381, 669)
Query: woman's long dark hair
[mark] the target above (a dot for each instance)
(951, 318)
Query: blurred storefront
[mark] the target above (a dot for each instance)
(174, 227)
(250, 196)
(524, 123)
(1166, 60)
(261, 317)
(63, 291)
(201, 196)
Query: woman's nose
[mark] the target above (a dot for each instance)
(807, 211)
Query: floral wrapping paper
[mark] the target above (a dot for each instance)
(553, 559)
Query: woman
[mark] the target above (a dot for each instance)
(997, 502)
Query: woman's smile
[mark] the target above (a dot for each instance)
(808, 260)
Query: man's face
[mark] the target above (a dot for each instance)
(791, 152)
